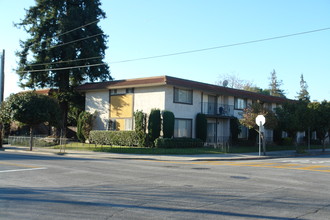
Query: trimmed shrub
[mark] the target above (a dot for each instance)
(201, 126)
(84, 125)
(140, 128)
(178, 143)
(121, 138)
(168, 124)
(154, 125)
(235, 129)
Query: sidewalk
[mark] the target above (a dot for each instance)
(200, 157)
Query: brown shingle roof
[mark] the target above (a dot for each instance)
(169, 80)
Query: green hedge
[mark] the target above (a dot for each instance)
(201, 126)
(178, 143)
(121, 138)
(154, 124)
(168, 124)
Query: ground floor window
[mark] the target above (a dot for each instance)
(244, 133)
(121, 124)
(183, 128)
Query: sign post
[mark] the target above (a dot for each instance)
(260, 121)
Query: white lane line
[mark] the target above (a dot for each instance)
(27, 169)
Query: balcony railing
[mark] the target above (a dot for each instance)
(209, 108)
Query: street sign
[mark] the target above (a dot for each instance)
(260, 119)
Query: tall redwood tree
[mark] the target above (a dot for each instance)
(65, 47)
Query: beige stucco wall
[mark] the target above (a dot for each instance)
(98, 101)
(148, 98)
(184, 111)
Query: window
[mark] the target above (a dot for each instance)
(183, 96)
(240, 103)
(244, 133)
(130, 90)
(182, 128)
(113, 91)
(128, 124)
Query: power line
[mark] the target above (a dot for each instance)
(77, 28)
(70, 42)
(63, 68)
(66, 61)
(69, 31)
(184, 52)
(219, 47)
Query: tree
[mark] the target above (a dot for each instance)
(275, 85)
(33, 109)
(303, 94)
(234, 81)
(65, 47)
(5, 113)
(320, 117)
(257, 90)
(252, 111)
(294, 117)
(249, 117)
(168, 124)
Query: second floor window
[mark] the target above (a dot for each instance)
(183, 96)
(240, 103)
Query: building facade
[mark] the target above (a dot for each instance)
(115, 102)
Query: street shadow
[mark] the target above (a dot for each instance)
(28, 156)
(39, 197)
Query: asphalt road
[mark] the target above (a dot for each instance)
(36, 186)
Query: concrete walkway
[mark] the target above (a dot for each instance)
(200, 157)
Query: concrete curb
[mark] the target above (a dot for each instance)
(220, 157)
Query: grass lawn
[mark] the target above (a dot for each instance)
(176, 151)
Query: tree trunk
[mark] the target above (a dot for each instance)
(31, 137)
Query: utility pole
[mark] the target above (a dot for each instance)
(2, 86)
(2, 75)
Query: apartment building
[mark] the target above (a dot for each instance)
(116, 101)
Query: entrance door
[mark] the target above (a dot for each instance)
(211, 132)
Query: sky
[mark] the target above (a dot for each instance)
(145, 28)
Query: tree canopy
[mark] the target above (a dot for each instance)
(303, 94)
(64, 35)
(255, 109)
(33, 109)
(275, 84)
(65, 47)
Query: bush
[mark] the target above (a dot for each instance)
(84, 125)
(178, 143)
(140, 128)
(121, 138)
(235, 129)
(168, 124)
(288, 141)
(201, 126)
(154, 124)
